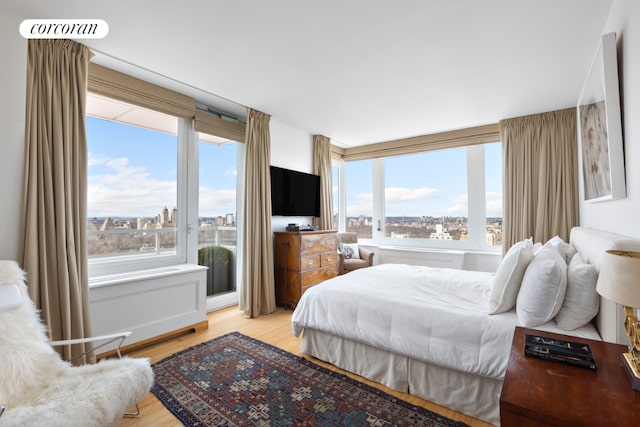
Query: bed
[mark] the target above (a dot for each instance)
(427, 331)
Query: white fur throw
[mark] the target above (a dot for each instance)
(40, 389)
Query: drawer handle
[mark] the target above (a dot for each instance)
(309, 244)
(328, 272)
(328, 258)
(328, 241)
(310, 262)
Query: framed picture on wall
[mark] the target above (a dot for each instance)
(601, 150)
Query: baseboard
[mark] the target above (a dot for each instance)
(196, 327)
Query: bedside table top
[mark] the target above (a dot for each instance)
(546, 392)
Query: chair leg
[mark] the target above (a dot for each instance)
(133, 414)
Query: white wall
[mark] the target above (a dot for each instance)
(12, 107)
(291, 148)
(621, 216)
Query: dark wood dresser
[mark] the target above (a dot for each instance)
(544, 393)
(303, 259)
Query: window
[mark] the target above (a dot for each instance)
(132, 197)
(359, 194)
(217, 237)
(447, 198)
(335, 190)
(426, 195)
(493, 202)
(144, 208)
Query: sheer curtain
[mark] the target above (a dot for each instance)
(540, 176)
(54, 218)
(257, 293)
(322, 167)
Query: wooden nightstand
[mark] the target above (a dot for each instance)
(539, 392)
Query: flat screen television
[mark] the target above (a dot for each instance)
(294, 193)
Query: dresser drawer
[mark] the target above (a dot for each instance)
(328, 258)
(302, 260)
(309, 278)
(310, 262)
(317, 243)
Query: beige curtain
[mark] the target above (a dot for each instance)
(540, 176)
(54, 216)
(322, 167)
(257, 293)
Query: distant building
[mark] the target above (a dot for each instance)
(107, 224)
(174, 217)
(440, 234)
(163, 219)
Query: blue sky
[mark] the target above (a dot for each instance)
(132, 172)
(433, 183)
(218, 176)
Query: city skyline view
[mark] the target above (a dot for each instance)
(426, 184)
(144, 181)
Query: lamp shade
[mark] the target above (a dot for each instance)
(619, 278)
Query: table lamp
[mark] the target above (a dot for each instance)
(619, 281)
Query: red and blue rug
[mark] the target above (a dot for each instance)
(235, 380)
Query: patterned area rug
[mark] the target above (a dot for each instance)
(235, 380)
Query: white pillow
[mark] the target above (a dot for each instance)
(564, 249)
(581, 302)
(349, 250)
(506, 282)
(536, 248)
(543, 287)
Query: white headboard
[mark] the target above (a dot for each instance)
(592, 244)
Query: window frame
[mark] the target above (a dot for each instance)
(123, 264)
(187, 204)
(193, 116)
(476, 193)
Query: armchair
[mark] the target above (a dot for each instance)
(350, 255)
(38, 388)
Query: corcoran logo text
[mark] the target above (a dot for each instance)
(64, 29)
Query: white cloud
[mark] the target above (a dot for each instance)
(363, 205)
(214, 202)
(494, 208)
(119, 189)
(458, 209)
(407, 201)
(398, 201)
(399, 194)
(459, 206)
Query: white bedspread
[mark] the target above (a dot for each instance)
(436, 315)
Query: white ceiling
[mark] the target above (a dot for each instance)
(358, 71)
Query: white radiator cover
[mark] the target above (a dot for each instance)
(439, 258)
(149, 303)
(414, 256)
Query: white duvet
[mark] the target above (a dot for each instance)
(436, 315)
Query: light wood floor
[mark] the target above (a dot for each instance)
(274, 329)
